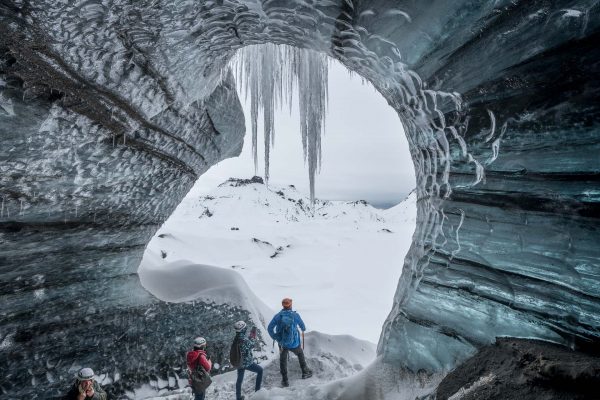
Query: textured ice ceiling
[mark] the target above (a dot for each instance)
(110, 109)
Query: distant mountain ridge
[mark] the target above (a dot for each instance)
(253, 191)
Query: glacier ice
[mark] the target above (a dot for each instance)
(269, 74)
(119, 106)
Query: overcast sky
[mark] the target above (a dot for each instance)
(365, 153)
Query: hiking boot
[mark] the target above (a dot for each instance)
(306, 374)
(285, 383)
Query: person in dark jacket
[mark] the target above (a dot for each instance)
(85, 387)
(195, 357)
(246, 345)
(292, 344)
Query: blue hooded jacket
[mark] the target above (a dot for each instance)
(297, 323)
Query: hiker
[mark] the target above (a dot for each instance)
(85, 387)
(284, 329)
(197, 358)
(246, 362)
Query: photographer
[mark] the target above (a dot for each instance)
(85, 387)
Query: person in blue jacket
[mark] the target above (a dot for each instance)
(284, 329)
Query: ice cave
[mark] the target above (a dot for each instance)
(111, 109)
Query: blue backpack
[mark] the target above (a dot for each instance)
(285, 329)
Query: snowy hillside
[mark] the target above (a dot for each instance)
(339, 262)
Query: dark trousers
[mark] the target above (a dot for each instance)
(252, 368)
(283, 356)
(199, 396)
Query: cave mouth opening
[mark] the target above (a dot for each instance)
(283, 247)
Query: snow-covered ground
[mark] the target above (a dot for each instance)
(340, 261)
(332, 358)
(250, 245)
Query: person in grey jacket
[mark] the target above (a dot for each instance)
(247, 343)
(86, 387)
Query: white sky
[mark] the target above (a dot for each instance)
(364, 149)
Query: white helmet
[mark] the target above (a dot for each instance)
(199, 342)
(85, 374)
(239, 326)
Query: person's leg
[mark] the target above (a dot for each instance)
(259, 373)
(283, 366)
(306, 372)
(199, 396)
(238, 383)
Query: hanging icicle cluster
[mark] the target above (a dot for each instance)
(269, 74)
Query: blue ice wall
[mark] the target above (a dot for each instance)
(517, 254)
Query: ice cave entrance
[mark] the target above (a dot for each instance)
(341, 259)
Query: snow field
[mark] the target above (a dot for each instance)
(248, 245)
(339, 262)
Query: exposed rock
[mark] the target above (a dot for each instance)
(523, 369)
(261, 242)
(206, 213)
(235, 182)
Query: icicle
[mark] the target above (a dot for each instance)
(268, 74)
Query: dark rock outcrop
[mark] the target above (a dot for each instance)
(523, 369)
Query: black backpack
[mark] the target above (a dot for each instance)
(235, 353)
(201, 379)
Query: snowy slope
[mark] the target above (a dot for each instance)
(330, 357)
(182, 281)
(339, 262)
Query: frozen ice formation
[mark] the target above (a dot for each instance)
(110, 109)
(269, 75)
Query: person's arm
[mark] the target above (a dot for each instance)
(205, 362)
(272, 325)
(300, 322)
(252, 335)
(191, 365)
